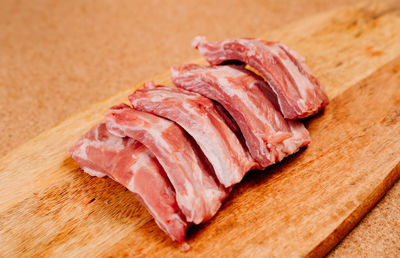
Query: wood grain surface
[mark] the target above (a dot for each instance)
(301, 206)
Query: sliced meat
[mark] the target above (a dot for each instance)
(296, 90)
(199, 117)
(99, 153)
(268, 135)
(198, 192)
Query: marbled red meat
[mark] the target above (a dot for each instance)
(296, 90)
(199, 117)
(268, 135)
(198, 192)
(100, 153)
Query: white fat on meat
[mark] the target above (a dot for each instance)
(198, 193)
(298, 92)
(199, 117)
(269, 137)
(100, 153)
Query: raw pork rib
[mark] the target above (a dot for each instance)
(128, 162)
(297, 91)
(199, 117)
(198, 193)
(268, 135)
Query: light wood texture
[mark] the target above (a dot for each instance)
(304, 205)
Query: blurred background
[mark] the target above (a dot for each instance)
(58, 57)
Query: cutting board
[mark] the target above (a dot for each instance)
(301, 206)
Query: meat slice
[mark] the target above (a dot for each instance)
(100, 153)
(199, 117)
(198, 192)
(296, 90)
(268, 135)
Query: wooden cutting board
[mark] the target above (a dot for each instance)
(302, 206)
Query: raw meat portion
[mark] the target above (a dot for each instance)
(199, 117)
(296, 90)
(198, 192)
(268, 135)
(100, 153)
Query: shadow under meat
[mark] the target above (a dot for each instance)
(253, 179)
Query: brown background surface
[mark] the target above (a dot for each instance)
(58, 57)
